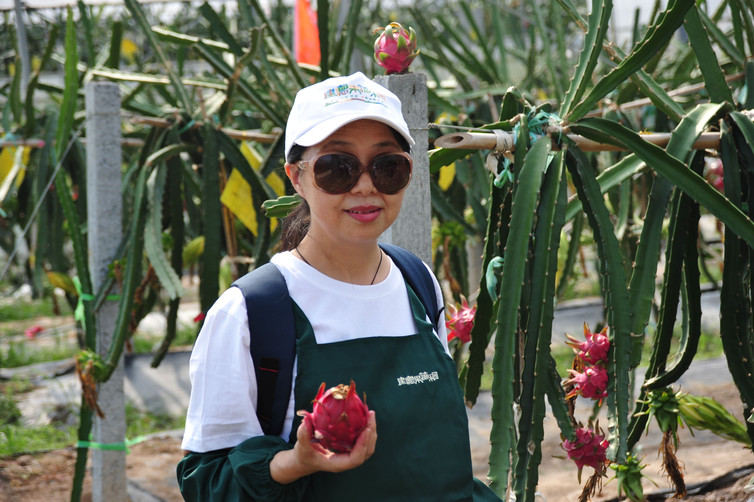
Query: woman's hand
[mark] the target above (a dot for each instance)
(307, 457)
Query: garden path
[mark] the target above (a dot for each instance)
(151, 463)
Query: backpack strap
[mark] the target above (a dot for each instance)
(272, 342)
(417, 276)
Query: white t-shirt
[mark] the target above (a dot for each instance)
(222, 407)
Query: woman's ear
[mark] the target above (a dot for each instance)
(294, 174)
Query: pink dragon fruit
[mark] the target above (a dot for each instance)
(594, 350)
(395, 49)
(589, 448)
(460, 321)
(338, 418)
(592, 383)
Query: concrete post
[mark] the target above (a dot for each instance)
(413, 228)
(23, 46)
(104, 216)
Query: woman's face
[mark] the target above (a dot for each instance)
(363, 213)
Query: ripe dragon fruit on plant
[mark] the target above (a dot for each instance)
(395, 49)
(338, 418)
(592, 383)
(589, 448)
(594, 350)
(460, 321)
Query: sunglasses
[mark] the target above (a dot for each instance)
(337, 173)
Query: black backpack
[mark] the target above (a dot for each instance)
(273, 338)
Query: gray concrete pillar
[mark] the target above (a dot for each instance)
(413, 228)
(104, 216)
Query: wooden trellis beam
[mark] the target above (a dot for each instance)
(502, 141)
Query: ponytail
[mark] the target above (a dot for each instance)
(296, 224)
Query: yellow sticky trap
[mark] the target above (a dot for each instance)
(13, 162)
(447, 175)
(237, 197)
(128, 48)
(277, 183)
(253, 157)
(237, 194)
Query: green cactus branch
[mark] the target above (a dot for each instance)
(685, 232)
(615, 291)
(599, 20)
(673, 169)
(528, 182)
(138, 15)
(654, 41)
(735, 294)
(538, 333)
(499, 211)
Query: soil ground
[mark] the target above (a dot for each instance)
(720, 469)
(716, 470)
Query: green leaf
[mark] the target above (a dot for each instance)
(70, 95)
(86, 23)
(141, 20)
(709, 67)
(676, 171)
(31, 118)
(642, 286)
(211, 219)
(219, 28)
(113, 58)
(654, 41)
(599, 20)
(257, 99)
(153, 235)
(281, 206)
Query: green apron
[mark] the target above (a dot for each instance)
(422, 451)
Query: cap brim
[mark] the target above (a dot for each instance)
(326, 128)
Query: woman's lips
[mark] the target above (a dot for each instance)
(364, 213)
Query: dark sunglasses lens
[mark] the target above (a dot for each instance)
(391, 173)
(335, 173)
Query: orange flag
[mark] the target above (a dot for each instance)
(305, 33)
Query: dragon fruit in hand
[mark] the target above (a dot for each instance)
(338, 417)
(395, 49)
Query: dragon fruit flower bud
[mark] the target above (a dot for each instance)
(592, 383)
(395, 48)
(338, 417)
(594, 349)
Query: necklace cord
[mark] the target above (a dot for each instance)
(379, 265)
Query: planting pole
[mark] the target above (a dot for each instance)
(412, 229)
(104, 216)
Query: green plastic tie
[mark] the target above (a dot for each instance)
(505, 175)
(493, 270)
(78, 313)
(187, 126)
(120, 446)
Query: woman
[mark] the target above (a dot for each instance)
(347, 156)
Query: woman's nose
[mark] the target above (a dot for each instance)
(364, 184)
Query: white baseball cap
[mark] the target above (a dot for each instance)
(321, 109)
